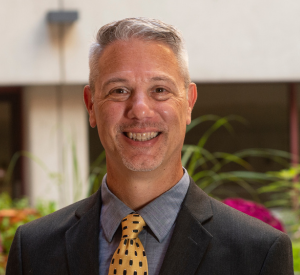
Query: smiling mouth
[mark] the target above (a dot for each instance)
(142, 136)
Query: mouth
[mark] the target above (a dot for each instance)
(142, 136)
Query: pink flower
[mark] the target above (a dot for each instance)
(255, 210)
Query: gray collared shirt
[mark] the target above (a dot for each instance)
(160, 216)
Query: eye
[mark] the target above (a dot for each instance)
(160, 90)
(119, 91)
(161, 94)
(119, 94)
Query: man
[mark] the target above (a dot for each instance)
(140, 98)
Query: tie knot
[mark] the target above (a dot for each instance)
(132, 225)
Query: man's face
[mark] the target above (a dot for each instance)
(140, 105)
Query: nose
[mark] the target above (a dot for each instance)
(140, 106)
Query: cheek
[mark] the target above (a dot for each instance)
(173, 114)
(108, 115)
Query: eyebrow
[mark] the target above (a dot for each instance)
(114, 80)
(152, 79)
(163, 78)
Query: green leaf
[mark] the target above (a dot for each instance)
(247, 175)
(281, 202)
(227, 158)
(5, 201)
(212, 186)
(277, 186)
(188, 151)
(249, 189)
(201, 119)
(203, 174)
(278, 156)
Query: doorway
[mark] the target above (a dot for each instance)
(11, 141)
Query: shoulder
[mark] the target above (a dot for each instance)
(238, 242)
(228, 222)
(53, 235)
(60, 221)
(236, 221)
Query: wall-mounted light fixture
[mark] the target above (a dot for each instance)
(62, 17)
(59, 23)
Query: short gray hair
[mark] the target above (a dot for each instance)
(142, 28)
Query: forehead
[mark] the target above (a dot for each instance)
(138, 58)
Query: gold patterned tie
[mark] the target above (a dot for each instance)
(130, 257)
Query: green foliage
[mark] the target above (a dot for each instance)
(284, 192)
(296, 256)
(14, 160)
(6, 202)
(59, 178)
(8, 230)
(77, 182)
(14, 213)
(45, 208)
(285, 188)
(206, 167)
(97, 172)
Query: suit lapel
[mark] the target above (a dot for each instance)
(82, 239)
(190, 239)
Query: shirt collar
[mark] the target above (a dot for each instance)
(159, 215)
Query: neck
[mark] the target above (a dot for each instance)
(137, 189)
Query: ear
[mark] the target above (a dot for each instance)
(192, 97)
(89, 104)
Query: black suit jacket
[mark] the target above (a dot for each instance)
(209, 238)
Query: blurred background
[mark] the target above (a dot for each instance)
(244, 57)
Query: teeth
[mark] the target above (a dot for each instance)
(142, 136)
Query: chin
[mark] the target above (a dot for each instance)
(142, 166)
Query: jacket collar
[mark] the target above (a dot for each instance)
(190, 239)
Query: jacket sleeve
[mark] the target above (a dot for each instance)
(279, 260)
(14, 263)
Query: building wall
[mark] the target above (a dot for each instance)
(55, 128)
(230, 40)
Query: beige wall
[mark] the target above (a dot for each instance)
(231, 40)
(55, 118)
